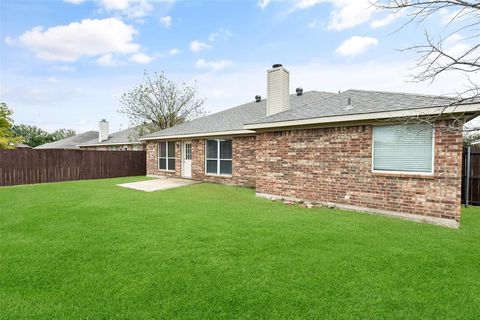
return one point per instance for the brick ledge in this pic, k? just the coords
(449, 223)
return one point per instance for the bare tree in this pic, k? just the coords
(455, 49)
(158, 103)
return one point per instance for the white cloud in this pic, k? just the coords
(89, 37)
(115, 4)
(197, 46)
(356, 45)
(214, 65)
(174, 51)
(223, 34)
(347, 14)
(263, 3)
(378, 23)
(107, 61)
(166, 21)
(131, 8)
(65, 68)
(141, 58)
(8, 41)
(74, 1)
(52, 80)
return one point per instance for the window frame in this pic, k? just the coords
(218, 159)
(167, 157)
(398, 172)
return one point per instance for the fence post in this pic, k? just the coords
(467, 178)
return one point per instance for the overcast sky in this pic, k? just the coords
(64, 64)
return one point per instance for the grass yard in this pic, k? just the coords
(92, 250)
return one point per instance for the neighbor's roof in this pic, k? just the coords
(127, 136)
(233, 119)
(364, 105)
(22, 145)
(71, 142)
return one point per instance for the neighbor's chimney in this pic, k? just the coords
(102, 130)
(278, 98)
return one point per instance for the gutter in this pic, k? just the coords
(107, 144)
(470, 108)
(198, 135)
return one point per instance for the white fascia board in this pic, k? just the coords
(369, 116)
(107, 144)
(201, 135)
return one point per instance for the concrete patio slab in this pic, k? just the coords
(158, 184)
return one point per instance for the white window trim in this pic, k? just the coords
(166, 156)
(413, 173)
(218, 159)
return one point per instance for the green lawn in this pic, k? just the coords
(92, 250)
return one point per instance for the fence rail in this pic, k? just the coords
(25, 166)
(474, 177)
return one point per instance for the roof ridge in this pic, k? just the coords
(399, 92)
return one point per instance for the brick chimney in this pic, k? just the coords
(278, 97)
(102, 130)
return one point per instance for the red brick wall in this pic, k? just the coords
(243, 162)
(334, 165)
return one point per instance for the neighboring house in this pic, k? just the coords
(22, 146)
(124, 140)
(351, 149)
(70, 142)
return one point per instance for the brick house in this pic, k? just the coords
(351, 150)
(123, 140)
(102, 140)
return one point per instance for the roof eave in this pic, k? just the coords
(368, 116)
(107, 144)
(201, 135)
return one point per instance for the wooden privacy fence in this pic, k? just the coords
(472, 183)
(24, 166)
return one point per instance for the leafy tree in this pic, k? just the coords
(469, 139)
(62, 134)
(7, 140)
(158, 103)
(34, 136)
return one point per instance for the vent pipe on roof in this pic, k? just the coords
(349, 104)
(102, 130)
(278, 98)
(258, 98)
(299, 91)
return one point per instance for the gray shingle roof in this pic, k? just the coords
(361, 102)
(126, 136)
(234, 118)
(71, 142)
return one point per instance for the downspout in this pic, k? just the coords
(467, 179)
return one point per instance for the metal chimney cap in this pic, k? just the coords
(258, 98)
(277, 65)
(299, 91)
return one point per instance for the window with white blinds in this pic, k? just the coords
(403, 148)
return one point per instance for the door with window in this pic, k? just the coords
(187, 160)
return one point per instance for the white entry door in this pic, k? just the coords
(187, 160)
